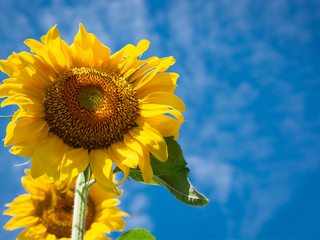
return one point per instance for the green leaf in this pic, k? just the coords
(136, 175)
(137, 234)
(173, 175)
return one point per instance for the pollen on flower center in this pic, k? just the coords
(90, 108)
(55, 212)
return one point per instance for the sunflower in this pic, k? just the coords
(79, 105)
(47, 211)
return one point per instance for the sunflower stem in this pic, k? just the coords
(80, 202)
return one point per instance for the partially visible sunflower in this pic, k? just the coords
(79, 105)
(47, 211)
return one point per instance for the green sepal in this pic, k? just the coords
(21, 164)
(6, 116)
(137, 234)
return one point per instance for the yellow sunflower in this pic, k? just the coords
(79, 105)
(47, 211)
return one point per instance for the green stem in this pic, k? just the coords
(80, 202)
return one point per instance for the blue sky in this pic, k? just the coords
(250, 79)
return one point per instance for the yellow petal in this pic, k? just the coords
(9, 89)
(27, 68)
(83, 47)
(132, 143)
(131, 53)
(162, 65)
(35, 70)
(7, 68)
(33, 140)
(160, 82)
(143, 156)
(71, 63)
(21, 206)
(43, 52)
(30, 105)
(115, 222)
(36, 187)
(51, 51)
(14, 68)
(38, 91)
(34, 232)
(147, 111)
(102, 168)
(136, 66)
(52, 174)
(162, 99)
(124, 155)
(145, 166)
(152, 140)
(51, 237)
(23, 128)
(22, 151)
(151, 63)
(101, 52)
(165, 125)
(108, 203)
(142, 46)
(38, 48)
(21, 212)
(21, 222)
(115, 59)
(74, 162)
(101, 196)
(46, 154)
(117, 158)
(100, 227)
(22, 199)
(127, 65)
(129, 50)
(93, 234)
(53, 43)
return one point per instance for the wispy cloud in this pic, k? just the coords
(113, 22)
(213, 176)
(138, 211)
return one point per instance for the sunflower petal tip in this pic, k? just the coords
(172, 60)
(82, 28)
(144, 42)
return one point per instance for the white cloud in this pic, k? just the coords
(262, 206)
(213, 175)
(15, 27)
(113, 22)
(139, 218)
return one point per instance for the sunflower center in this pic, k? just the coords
(90, 97)
(89, 108)
(55, 212)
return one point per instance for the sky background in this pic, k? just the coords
(250, 78)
